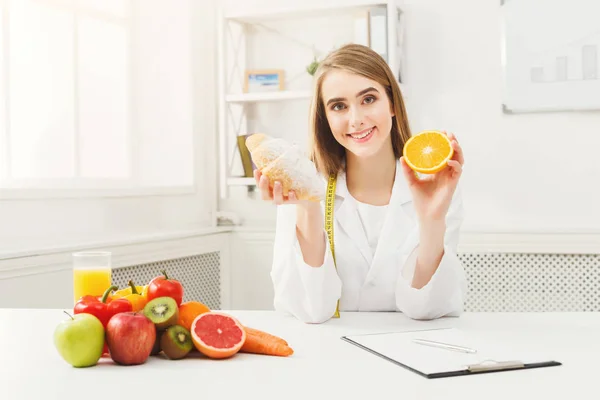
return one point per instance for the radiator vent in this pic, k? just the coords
(532, 282)
(199, 275)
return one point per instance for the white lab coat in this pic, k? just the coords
(364, 282)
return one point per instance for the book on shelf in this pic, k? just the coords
(245, 156)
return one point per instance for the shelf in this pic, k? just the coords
(249, 12)
(268, 96)
(241, 181)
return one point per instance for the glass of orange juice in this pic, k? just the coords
(92, 273)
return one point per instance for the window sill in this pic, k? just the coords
(32, 194)
(41, 249)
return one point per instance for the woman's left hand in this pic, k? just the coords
(432, 194)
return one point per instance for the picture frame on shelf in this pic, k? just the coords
(264, 80)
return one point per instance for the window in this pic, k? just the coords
(94, 95)
(118, 158)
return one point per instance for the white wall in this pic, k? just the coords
(251, 257)
(524, 173)
(35, 223)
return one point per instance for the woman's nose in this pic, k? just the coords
(356, 117)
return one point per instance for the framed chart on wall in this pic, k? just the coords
(550, 55)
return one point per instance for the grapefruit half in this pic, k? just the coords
(217, 335)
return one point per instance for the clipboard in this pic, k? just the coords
(431, 362)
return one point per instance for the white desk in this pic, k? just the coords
(323, 366)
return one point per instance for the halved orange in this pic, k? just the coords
(428, 152)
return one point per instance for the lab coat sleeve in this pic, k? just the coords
(445, 293)
(309, 293)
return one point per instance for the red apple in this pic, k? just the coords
(130, 337)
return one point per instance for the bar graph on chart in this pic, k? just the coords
(551, 55)
(581, 65)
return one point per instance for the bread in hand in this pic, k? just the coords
(281, 161)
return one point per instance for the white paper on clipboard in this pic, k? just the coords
(400, 348)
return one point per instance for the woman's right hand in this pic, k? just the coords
(274, 194)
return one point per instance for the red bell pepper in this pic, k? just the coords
(163, 286)
(100, 308)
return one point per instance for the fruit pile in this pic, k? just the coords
(134, 323)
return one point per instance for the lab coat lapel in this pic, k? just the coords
(398, 225)
(349, 220)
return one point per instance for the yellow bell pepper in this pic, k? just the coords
(119, 294)
(137, 295)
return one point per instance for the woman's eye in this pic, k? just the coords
(337, 107)
(369, 99)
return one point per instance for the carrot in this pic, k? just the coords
(265, 334)
(259, 342)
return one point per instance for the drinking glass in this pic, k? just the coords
(92, 273)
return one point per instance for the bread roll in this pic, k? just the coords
(284, 162)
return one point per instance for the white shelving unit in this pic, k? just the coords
(240, 181)
(240, 26)
(272, 96)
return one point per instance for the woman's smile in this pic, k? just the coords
(362, 136)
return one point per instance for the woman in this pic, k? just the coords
(395, 235)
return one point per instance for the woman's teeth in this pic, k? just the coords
(364, 135)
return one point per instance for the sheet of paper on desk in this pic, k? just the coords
(399, 346)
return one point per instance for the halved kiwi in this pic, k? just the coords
(176, 342)
(163, 311)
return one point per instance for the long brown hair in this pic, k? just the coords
(327, 154)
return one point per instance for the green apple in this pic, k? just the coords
(80, 340)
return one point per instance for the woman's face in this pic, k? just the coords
(358, 111)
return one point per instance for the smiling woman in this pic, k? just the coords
(396, 235)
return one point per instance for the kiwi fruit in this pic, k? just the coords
(176, 342)
(163, 311)
(156, 347)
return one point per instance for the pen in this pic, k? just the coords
(444, 346)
